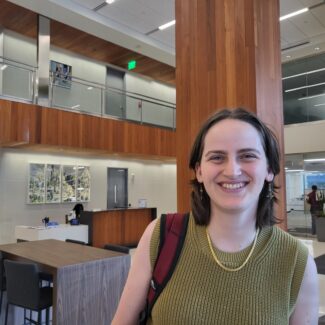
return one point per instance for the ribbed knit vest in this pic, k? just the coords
(264, 292)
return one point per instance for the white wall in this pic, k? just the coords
(152, 180)
(305, 137)
(20, 48)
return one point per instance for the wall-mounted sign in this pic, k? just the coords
(132, 65)
(61, 74)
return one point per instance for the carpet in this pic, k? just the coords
(320, 264)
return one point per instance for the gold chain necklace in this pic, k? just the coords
(227, 268)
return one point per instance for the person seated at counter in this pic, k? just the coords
(78, 208)
(74, 216)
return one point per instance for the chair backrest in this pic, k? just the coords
(117, 248)
(75, 241)
(23, 288)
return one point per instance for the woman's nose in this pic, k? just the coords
(232, 168)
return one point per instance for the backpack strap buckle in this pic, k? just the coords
(153, 284)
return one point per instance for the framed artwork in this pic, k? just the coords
(61, 74)
(36, 184)
(69, 184)
(53, 183)
(83, 184)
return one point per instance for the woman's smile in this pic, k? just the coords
(233, 186)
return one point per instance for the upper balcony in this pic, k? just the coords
(83, 116)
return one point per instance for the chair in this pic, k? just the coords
(2, 281)
(75, 241)
(24, 290)
(117, 248)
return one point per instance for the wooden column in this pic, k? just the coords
(227, 55)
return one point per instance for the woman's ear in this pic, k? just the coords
(270, 176)
(198, 173)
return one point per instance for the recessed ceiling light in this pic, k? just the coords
(288, 56)
(304, 73)
(314, 160)
(171, 23)
(295, 13)
(309, 97)
(110, 1)
(316, 105)
(4, 67)
(90, 88)
(303, 87)
(317, 48)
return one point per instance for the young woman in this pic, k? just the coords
(235, 267)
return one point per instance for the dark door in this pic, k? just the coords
(115, 98)
(117, 193)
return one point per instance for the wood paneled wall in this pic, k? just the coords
(32, 125)
(227, 55)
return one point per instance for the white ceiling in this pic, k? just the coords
(127, 23)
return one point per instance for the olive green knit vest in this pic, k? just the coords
(264, 292)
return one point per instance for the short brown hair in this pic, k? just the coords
(200, 202)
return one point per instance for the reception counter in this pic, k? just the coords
(60, 232)
(117, 226)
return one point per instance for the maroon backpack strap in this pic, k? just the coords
(173, 228)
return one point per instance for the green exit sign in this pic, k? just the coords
(132, 65)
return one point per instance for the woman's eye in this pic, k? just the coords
(248, 156)
(216, 158)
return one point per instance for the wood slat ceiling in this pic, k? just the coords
(23, 21)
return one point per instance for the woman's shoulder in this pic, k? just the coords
(285, 241)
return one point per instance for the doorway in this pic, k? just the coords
(117, 188)
(115, 98)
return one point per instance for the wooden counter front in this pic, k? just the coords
(118, 226)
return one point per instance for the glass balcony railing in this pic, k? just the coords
(19, 82)
(75, 95)
(93, 98)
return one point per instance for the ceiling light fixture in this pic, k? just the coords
(295, 13)
(303, 87)
(317, 48)
(294, 170)
(309, 97)
(314, 160)
(303, 73)
(171, 23)
(75, 106)
(316, 105)
(3, 67)
(110, 1)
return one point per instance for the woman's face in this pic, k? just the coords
(233, 167)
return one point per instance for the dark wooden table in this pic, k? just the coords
(87, 281)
